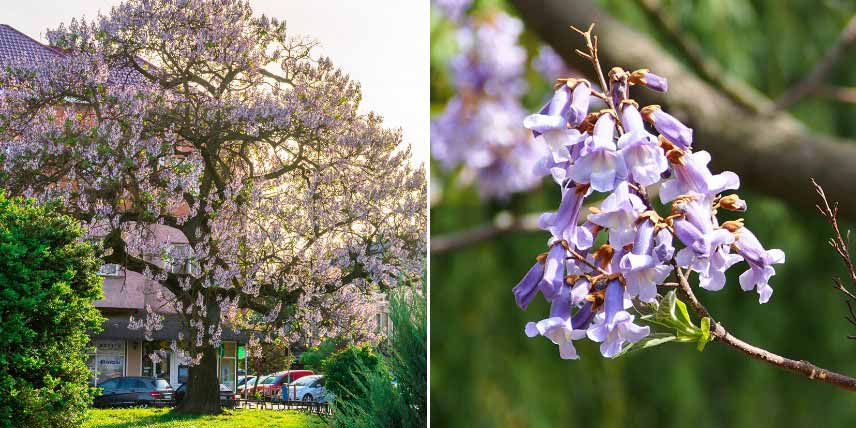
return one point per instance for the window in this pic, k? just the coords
(110, 269)
(110, 385)
(161, 384)
(132, 383)
(109, 359)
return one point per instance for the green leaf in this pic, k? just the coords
(705, 334)
(650, 341)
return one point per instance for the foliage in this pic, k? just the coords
(272, 357)
(382, 403)
(48, 281)
(340, 368)
(313, 358)
(164, 418)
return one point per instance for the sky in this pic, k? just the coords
(383, 44)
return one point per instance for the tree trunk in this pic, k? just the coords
(203, 389)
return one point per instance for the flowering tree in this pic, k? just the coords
(609, 292)
(198, 117)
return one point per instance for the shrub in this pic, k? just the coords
(341, 368)
(314, 358)
(377, 402)
(48, 280)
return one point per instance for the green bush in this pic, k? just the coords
(48, 281)
(314, 358)
(378, 402)
(342, 365)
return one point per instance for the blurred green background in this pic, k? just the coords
(485, 372)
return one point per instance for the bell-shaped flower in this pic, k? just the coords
(551, 125)
(528, 287)
(669, 127)
(618, 213)
(559, 327)
(650, 80)
(614, 327)
(639, 150)
(600, 165)
(663, 248)
(554, 271)
(760, 260)
(641, 269)
(579, 101)
(691, 175)
(562, 224)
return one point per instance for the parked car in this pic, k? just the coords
(245, 380)
(307, 388)
(134, 391)
(270, 387)
(227, 396)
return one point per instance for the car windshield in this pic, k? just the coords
(304, 381)
(161, 384)
(268, 380)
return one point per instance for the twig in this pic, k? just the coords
(803, 368)
(842, 94)
(707, 69)
(811, 82)
(841, 247)
(503, 224)
(591, 45)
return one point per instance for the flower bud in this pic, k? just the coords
(650, 80)
(732, 203)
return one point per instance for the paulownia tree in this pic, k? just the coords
(195, 116)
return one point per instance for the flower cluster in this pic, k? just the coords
(595, 290)
(478, 127)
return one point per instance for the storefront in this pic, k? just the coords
(119, 351)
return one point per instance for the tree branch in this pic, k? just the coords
(811, 82)
(502, 224)
(803, 368)
(708, 69)
(774, 153)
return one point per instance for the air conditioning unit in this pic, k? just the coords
(110, 269)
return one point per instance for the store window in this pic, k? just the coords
(108, 361)
(159, 366)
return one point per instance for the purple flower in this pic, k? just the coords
(527, 288)
(454, 9)
(559, 326)
(669, 127)
(550, 125)
(642, 270)
(554, 272)
(549, 64)
(652, 81)
(600, 165)
(618, 213)
(579, 101)
(563, 223)
(614, 327)
(691, 175)
(760, 260)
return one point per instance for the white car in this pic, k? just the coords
(307, 388)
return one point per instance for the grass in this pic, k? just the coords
(164, 418)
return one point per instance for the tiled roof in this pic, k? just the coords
(15, 45)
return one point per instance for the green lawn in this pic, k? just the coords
(163, 418)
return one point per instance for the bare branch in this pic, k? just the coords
(810, 83)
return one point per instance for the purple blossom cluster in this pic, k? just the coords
(596, 291)
(478, 127)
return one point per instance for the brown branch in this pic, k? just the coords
(837, 93)
(501, 225)
(707, 69)
(845, 40)
(774, 153)
(803, 368)
(841, 247)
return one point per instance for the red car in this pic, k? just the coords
(271, 386)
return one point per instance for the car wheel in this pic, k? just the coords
(308, 397)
